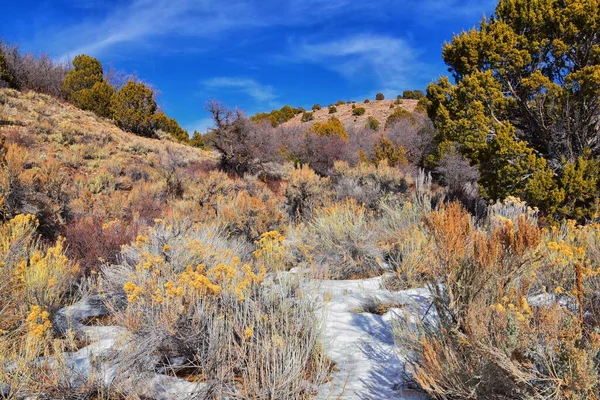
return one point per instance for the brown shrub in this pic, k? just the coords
(489, 341)
(93, 241)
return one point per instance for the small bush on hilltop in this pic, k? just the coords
(372, 124)
(307, 116)
(413, 94)
(367, 101)
(278, 117)
(86, 73)
(316, 107)
(340, 103)
(133, 108)
(96, 99)
(359, 111)
(379, 96)
(332, 109)
(333, 127)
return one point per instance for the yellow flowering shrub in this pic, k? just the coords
(271, 250)
(190, 292)
(32, 275)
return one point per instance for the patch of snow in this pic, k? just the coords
(368, 364)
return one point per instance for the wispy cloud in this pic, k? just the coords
(390, 62)
(250, 87)
(141, 20)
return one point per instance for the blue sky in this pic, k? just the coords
(254, 54)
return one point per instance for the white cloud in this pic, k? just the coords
(390, 62)
(143, 21)
(260, 93)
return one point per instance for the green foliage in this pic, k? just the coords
(372, 123)
(379, 96)
(398, 114)
(358, 111)
(340, 103)
(86, 73)
(5, 74)
(170, 126)
(511, 168)
(332, 109)
(307, 116)
(96, 99)
(333, 127)
(316, 107)
(277, 117)
(580, 183)
(133, 108)
(532, 69)
(421, 107)
(385, 149)
(413, 94)
(299, 110)
(367, 101)
(198, 141)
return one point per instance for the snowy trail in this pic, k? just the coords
(368, 365)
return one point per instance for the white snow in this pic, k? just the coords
(368, 365)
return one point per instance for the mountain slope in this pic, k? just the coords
(378, 109)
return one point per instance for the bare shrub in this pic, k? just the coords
(93, 241)
(40, 74)
(461, 179)
(320, 152)
(244, 145)
(415, 135)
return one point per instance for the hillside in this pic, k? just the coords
(47, 125)
(71, 168)
(378, 109)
